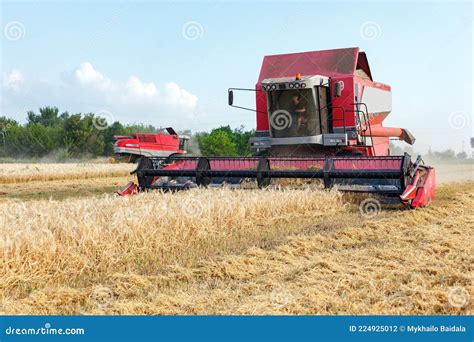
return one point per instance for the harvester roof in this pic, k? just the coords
(331, 63)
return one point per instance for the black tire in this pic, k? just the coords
(171, 156)
(144, 181)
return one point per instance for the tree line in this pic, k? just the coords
(63, 136)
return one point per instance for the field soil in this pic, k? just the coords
(69, 246)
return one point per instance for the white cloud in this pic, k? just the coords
(179, 96)
(13, 80)
(87, 76)
(134, 92)
(86, 89)
(135, 89)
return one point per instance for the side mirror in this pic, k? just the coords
(230, 99)
(338, 86)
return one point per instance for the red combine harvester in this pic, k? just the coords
(165, 144)
(319, 115)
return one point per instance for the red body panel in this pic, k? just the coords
(163, 144)
(426, 190)
(421, 191)
(343, 115)
(130, 189)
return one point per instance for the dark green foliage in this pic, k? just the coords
(224, 141)
(61, 135)
(48, 117)
(216, 143)
(64, 135)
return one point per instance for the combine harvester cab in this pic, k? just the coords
(319, 115)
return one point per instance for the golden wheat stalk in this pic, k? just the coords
(78, 241)
(27, 172)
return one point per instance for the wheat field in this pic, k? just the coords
(27, 172)
(223, 251)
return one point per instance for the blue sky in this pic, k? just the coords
(139, 61)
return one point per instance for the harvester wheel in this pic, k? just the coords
(263, 165)
(144, 182)
(170, 158)
(202, 165)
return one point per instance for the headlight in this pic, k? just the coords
(303, 85)
(274, 87)
(264, 87)
(297, 85)
(291, 85)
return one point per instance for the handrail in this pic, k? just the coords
(360, 123)
(367, 119)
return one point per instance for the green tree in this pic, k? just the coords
(7, 123)
(48, 116)
(217, 143)
(237, 141)
(82, 137)
(114, 129)
(33, 140)
(241, 139)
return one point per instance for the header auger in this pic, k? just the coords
(319, 116)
